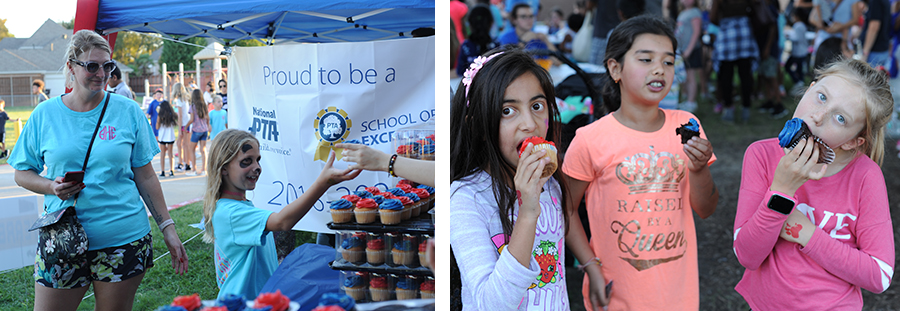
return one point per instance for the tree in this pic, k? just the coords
(176, 52)
(4, 33)
(142, 64)
(70, 25)
(132, 45)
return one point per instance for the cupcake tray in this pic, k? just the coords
(383, 268)
(423, 224)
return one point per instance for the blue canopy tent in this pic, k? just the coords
(271, 22)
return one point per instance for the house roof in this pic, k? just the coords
(42, 52)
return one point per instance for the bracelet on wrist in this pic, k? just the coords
(164, 224)
(391, 165)
(594, 260)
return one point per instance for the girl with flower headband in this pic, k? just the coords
(509, 223)
(640, 182)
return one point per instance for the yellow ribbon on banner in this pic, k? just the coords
(322, 151)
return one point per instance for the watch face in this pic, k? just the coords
(781, 204)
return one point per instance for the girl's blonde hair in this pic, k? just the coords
(876, 95)
(222, 150)
(179, 93)
(82, 42)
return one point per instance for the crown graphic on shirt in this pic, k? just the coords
(651, 172)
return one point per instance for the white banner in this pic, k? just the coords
(296, 97)
(17, 245)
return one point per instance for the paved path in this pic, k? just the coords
(178, 190)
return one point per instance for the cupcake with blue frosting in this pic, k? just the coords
(355, 287)
(391, 211)
(341, 211)
(353, 249)
(406, 288)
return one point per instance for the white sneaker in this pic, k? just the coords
(191, 174)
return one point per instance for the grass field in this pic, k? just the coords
(160, 285)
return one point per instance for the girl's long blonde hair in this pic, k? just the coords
(222, 150)
(875, 88)
(179, 93)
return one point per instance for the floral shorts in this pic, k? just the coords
(112, 264)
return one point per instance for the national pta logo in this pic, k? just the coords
(332, 127)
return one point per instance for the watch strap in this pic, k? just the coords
(780, 202)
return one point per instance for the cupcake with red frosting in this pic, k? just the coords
(375, 250)
(276, 300)
(426, 289)
(366, 211)
(423, 252)
(407, 207)
(373, 190)
(352, 198)
(378, 288)
(425, 199)
(538, 145)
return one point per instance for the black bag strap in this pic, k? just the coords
(91, 145)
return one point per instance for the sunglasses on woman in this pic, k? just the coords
(92, 66)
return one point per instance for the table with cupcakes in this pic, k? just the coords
(382, 236)
(382, 233)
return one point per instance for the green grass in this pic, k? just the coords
(160, 285)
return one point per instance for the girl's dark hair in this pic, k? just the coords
(620, 42)
(199, 104)
(475, 126)
(480, 21)
(166, 115)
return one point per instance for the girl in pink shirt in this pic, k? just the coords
(811, 235)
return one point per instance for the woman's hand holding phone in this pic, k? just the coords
(66, 187)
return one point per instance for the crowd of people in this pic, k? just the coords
(802, 231)
(716, 39)
(187, 121)
(106, 202)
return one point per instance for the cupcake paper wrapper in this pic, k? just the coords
(826, 154)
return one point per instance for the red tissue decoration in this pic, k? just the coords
(276, 300)
(191, 302)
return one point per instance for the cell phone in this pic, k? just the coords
(608, 288)
(76, 176)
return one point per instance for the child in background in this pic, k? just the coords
(166, 125)
(245, 251)
(640, 182)
(509, 226)
(799, 51)
(811, 235)
(3, 118)
(218, 118)
(199, 126)
(180, 101)
(688, 32)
